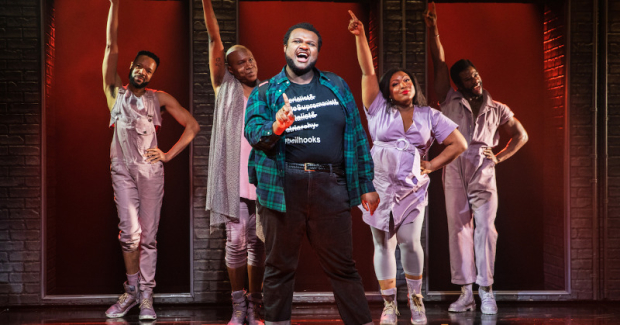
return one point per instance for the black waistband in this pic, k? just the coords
(312, 167)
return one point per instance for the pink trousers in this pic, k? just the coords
(138, 193)
(471, 199)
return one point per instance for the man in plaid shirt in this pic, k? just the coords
(310, 163)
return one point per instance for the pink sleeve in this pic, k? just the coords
(505, 114)
(442, 126)
(376, 105)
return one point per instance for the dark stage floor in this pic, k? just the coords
(307, 314)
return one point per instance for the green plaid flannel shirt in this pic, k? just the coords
(266, 166)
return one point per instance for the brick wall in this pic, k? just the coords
(612, 274)
(554, 136)
(581, 132)
(210, 277)
(20, 156)
(415, 37)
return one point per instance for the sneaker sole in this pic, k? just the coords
(468, 308)
(486, 312)
(388, 323)
(147, 317)
(119, 315)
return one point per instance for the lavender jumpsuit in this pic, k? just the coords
(397, 154)
(138, 185)
(470, 190)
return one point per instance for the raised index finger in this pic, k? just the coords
(285, 99)
(352, 15)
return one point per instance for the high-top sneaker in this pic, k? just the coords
(390, 307)
(146, 306)
(465, 302)
(416, 305)
(255, 309)
(239, 308)
(125, 302)
(488, 304)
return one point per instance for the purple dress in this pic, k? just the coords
(397, 155)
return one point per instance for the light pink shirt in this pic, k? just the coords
(481, 131)
(246, 190)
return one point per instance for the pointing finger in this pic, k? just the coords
(352, 15)
(285, 99)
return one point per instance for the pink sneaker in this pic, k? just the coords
(146, 306)
(255, 309)
(240, 308)
(125, 302)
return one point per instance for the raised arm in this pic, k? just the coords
(370, 85)
(217, 59)
(184, 118)
(441, 73)
(518, 137)
(111, 79)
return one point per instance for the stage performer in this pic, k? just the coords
(311, 163)
(402, 128)
(230, 196)
(469, 181)
(137, 165)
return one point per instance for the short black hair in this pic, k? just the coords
(150, 55)
(384, 85)
(456, 69)
(306, 26)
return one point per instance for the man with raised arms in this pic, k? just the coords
(469, 181)
(137, 165)
(230, 196)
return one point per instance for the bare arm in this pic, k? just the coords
(217, 65)
(370, 85)
(518, 137)
(441, 73)
(111, 79)
(185, 119)
(454, 144)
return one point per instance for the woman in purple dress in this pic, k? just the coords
(402, 128)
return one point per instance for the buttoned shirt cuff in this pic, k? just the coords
(268, 139)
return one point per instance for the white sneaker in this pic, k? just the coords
(465, 302)
(418, 312)
(390, 313)
(488, 304)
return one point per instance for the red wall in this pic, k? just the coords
(88, 255)
(505, 42)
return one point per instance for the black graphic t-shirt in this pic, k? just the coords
(317, 135)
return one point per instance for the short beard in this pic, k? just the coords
(297, 71)
(136, 85)
(470, 92)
